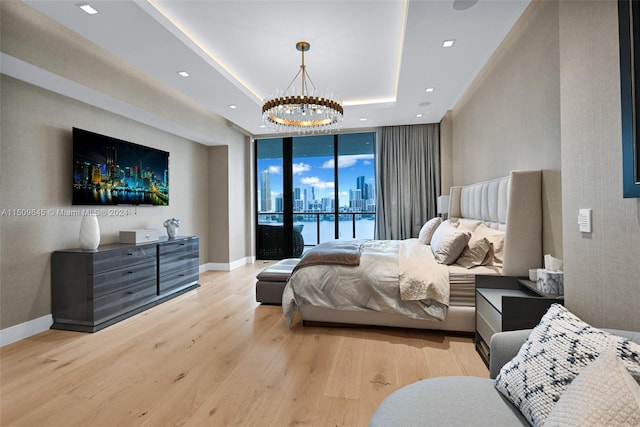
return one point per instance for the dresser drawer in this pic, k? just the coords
(483, 327)
(491, 317)
(123, 300)
(178, 247)
(178, 278)
(178, 261)
(122, 278)
(120, 258)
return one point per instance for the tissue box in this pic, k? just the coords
(550, 282)
(138, 236)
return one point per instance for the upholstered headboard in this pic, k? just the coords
(512, 204)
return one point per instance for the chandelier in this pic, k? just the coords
(305, 111)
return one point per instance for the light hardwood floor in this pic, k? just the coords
(214, 357)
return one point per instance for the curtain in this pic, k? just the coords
(408, 179)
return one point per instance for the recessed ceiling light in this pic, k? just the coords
(463, 4)
(448, 43)
(232, 106)
(363, 119)
(183, 73)
(429, 90)
(87, 8)
(419, 115)
(262, 126)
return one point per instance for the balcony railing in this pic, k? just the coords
(319, 227)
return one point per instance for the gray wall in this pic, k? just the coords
(35, 161)
(602, 268)
(510, 117)
(550, 99)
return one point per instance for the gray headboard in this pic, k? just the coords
(512, 204)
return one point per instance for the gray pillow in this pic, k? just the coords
(448, 242)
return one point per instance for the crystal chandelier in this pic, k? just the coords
(305, 111)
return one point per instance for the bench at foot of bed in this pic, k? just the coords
(272, 280)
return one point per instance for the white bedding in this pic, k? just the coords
(373, 286)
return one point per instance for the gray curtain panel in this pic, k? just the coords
(408, 175)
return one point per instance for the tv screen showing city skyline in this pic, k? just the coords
(110, 171)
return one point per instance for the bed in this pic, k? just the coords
(373, 292)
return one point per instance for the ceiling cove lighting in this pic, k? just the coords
(87, 8)
(448, 43)
(306, 110)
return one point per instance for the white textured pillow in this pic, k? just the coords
(496, 238)
(555, 352)
(427, 230)
(604, 393)
(477, 252)
(448, 243)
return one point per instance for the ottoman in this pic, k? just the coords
(272, 280)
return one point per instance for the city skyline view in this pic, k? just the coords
(314, 180)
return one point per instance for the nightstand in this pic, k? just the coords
(505, 303)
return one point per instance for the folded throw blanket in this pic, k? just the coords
(341, 252)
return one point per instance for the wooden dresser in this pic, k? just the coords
(91, 290)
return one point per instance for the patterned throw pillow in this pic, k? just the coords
(603, 394)
(552, 356)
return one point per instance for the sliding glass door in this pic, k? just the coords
(314, 189)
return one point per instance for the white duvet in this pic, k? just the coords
(375, 284)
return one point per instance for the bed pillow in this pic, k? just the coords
(604, 393)
(448, 242)
(468, 224)
(496, 238)
(553, 355)
(427, 230)
(477, 252)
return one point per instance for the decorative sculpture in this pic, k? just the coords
(172, 225)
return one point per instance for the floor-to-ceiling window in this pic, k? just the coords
(321, 187)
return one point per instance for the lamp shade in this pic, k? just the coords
(443, 204)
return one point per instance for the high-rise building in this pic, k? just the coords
(111, 162)
(265, 191)
(279, 204)
(368, 192)
(362, 186)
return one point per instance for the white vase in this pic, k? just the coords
(89, 232)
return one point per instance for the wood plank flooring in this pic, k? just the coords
(214, 357)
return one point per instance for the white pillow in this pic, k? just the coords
(604, 393)
(448, 242)
(468, 224)
(555, 352)
(427, 230)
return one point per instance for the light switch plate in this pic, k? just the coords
(584, 220)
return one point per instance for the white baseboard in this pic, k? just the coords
(25, 330)
(41, 324)
(219, 266)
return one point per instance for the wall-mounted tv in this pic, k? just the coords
(110, 171)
